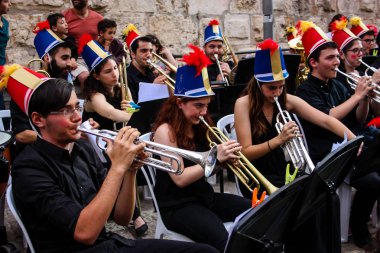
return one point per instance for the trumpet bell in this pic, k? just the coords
(210, 161)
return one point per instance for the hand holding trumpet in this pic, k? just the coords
(289, 131)
(364, 87)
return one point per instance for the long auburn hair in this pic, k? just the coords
(171, 114)
(256, 103)
(93, 86)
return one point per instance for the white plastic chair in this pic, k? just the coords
(226, 125)
(16, 215)
(161, 230)
(4, 114)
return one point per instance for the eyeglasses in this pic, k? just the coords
(68, 112)
(369, 40)
(357, 50)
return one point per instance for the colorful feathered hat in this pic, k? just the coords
(269, 62)
(312, 36)
(21, 83)
(340, 34)
(92, 52)
(357, 26)
(45, 39)
(192, 79)
(213, 32)
(290, 33)
(130, 34)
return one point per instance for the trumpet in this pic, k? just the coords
(368, 68)
(207, 159)
(169, 81)
(353, 80)
(247, 174)
(224, 79)
(295, 147)
(40, 70)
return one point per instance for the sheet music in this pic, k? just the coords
(152, 91)
(92, 139)
(337, 145)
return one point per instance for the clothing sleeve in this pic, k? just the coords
(313, 98)
(117, 50)
(20, 122)
(43, 199)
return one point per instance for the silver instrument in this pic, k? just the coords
(295, 147)
(206, 159)
(353, 79)
(224, 79)
(367, 68)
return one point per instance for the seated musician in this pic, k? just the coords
(351, 53)
(256, 110)
(366, 35)
(102, 92)
(56, 55)
(213, 45)
(60, 187)
(322, 91)
(188, 204)
(104, 102)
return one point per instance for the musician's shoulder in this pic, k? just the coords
(242, 101)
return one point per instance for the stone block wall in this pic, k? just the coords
(179, 22)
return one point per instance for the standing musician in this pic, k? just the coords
(56, 55)
(188, 204)
(213, 44)
(104, 102)
(322, 91)
(64, 194)
(256, 110)
(366, 35)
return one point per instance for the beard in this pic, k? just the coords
(57, 72)
(82, 4)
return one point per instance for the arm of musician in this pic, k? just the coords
(244, 136)
(362, 110)
(375, 107)
(164, 135)
(376, 77)
(169, 56)
(93, 217)
(106, 110)
(309, 113)
(361, 91)
(26, 136)
(160, 79)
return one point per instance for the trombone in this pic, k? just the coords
(353, 79)
(169, 81)
(224, 79)
(247, 174)
(40, 70)
(295, 147)
(157, 57)
(206, 159)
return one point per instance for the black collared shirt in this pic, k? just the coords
(135, 77)
(323, 96)
(51, 187)
(20, 122)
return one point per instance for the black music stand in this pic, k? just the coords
(292, 62)
(269, 227)
(244, 71)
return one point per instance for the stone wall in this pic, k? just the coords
(179, 22)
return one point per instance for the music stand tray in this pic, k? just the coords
(267, 227)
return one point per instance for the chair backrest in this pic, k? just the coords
(226, 125)
(5, 114)
(16, 215)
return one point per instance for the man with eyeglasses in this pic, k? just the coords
(366, 35)
(61, 189)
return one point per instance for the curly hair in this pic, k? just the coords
(171, 114)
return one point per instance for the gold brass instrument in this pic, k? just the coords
(169, 81)
(247, 174)
(41, 67)
(157, 57)
(206, 159)
(124, 80)
(353, 80)
(224, 79)
(294, 148)
(227, 55)
(297, 47)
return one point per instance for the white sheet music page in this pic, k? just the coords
(337, 145)
(152, 91)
